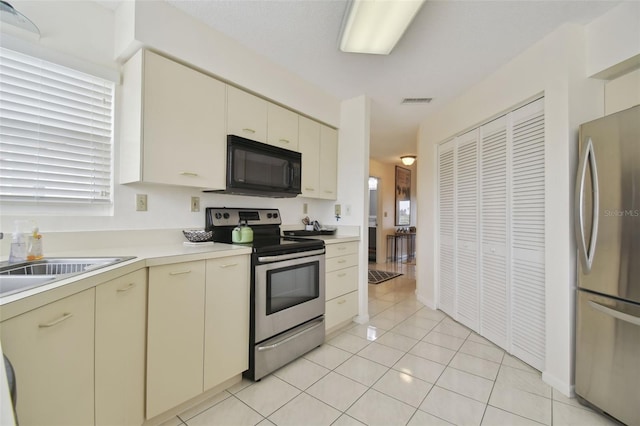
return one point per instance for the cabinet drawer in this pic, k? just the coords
(341, 309)
(334, 250)
(341, 282)
(336, 263)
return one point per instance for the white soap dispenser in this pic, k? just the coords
(18, 245)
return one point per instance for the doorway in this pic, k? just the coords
(374, 202)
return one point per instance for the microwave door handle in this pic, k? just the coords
(291, 174)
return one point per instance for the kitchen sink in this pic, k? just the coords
(17, 277)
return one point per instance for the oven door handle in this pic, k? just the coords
(281, 257)
(315, 324)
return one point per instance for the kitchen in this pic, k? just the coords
(350, 116)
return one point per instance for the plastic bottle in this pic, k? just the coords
(35, 245)
(18, 246)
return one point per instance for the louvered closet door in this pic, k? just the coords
(494, 313)
(446, 211)
(467, 279)
(527, 235)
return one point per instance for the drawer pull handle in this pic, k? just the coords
(340, 302)
(189, 174)
(306, 188)
(342, 261)
(180, 272)
(328, 192)
(228, 265)
(342, 275)
(284, 141)
(64, 316)
(127, 288)
(342, 248)
(248, 130)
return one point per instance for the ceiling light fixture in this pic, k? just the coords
(408, 160)
(375, 26)
(9, 15)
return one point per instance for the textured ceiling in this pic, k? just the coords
(450, 46)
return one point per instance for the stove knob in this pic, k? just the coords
(218, 215)
(275, 215)
(226, 215)
(269, 215)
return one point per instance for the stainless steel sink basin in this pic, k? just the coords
(18, 277)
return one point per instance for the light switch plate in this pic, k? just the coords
(195, 204)
(141, 202)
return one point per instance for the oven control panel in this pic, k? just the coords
(224, 216)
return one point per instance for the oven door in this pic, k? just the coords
(289, 290)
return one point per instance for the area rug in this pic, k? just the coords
(377, 277)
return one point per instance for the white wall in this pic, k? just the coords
(554, 67)
(85, 35)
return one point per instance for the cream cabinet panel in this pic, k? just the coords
(346, 261)
(173, 124)
(175, 335)
(282, 127)
(246, 115)
(121, 320)
(334, 250)
(340, 282)
(341, 309)
(309, 146)
(226, 339)
(52, 352)
(328, 163)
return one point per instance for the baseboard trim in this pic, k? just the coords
(564, 388)
(425, 301)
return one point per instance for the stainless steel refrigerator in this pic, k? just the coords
(607, 222)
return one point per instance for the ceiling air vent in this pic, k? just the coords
(416, 100)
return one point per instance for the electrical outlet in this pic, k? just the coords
(338, 210)
(305, 208)
(141, 202)
(348, 209)
(195, 204)
(385, 214)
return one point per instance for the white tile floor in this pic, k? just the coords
(409, 366)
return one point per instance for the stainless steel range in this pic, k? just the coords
(287, 288)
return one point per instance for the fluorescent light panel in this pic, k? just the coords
(376, 26)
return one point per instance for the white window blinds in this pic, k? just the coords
(56, 132)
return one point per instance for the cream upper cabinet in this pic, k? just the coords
(172, 124)
(121, 324)
(282, 127)
(52, 352)
(226, 339)
(246, 115)
(309, 146)
(328, 163)
(175, 333)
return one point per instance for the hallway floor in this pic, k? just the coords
(409, 365)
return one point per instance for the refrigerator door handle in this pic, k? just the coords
(587, 254)
(622, 316)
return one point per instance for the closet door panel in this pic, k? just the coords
(494, 206)
(467, 289)
(527, 235)
(446, 212)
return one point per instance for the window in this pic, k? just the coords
(56, 132)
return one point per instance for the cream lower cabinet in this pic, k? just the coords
(175, 333)
(52, 352)
(341, 292)
(120, 336)
(226, 338)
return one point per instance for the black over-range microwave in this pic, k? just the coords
(255, 168)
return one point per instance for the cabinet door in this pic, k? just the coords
(121, 319)
(175, 333)
(246, 115)
(51, 349)
(282, 127)
(226, 345)
(184, 125)
(446, 228)
(309, 144)
(328, 163)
